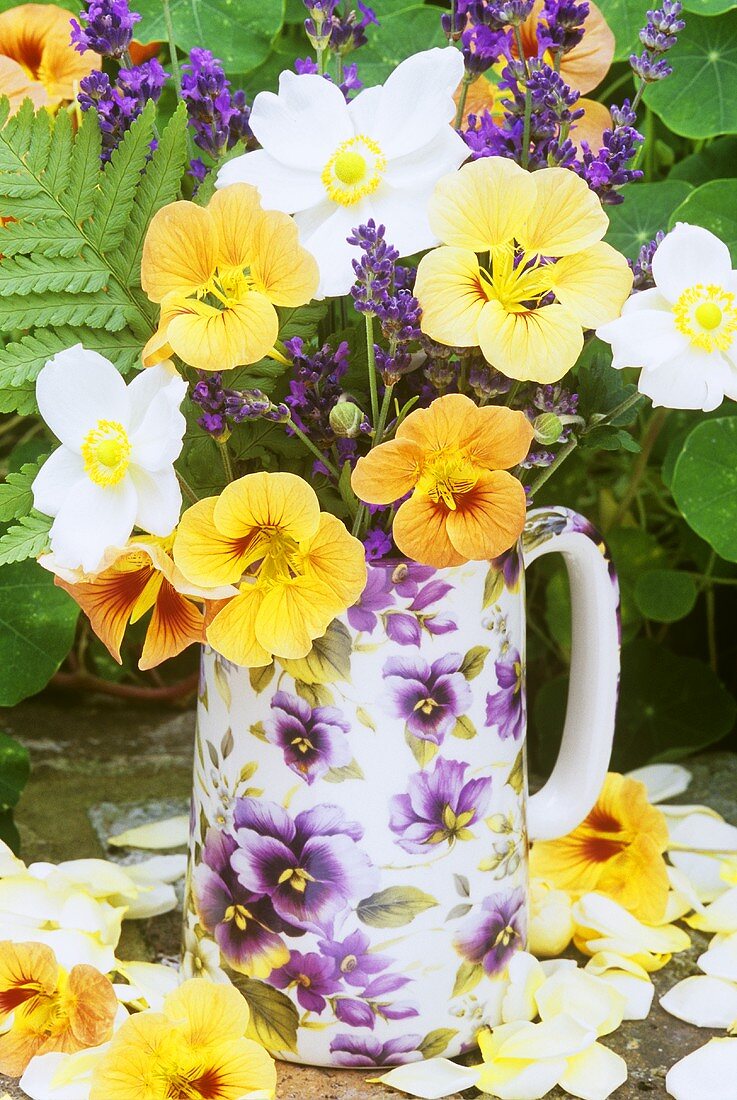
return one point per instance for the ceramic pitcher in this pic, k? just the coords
(360, 817)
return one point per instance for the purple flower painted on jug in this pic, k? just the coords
(405, 627)
(439, 806)
(429, 697)
(367, 1050)
(244, 925)
(509, 564)
(354, 1013)
(492, 934)
(310, 866)
(505, 708)
(376, 597)
(312, 975)
(356, 964)
(312, 739)
(408, 576)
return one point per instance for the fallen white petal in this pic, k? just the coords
(152, 981)
(720, 916)
(720, 961)
(703, 872)
(152, 901)
(158, 869)
(525, 976)
(171, 833)
(708, 1073)
(430, 1080)
(594, 1074)
(662, 780)
(703, 1001)
(703, 833)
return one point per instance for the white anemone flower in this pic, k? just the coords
(334, 165)
(683, 331)
(114, 469)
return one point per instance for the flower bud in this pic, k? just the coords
(346, 419)
(547, 428)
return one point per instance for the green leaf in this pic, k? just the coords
(241, 43)
(468, 977)
(709, 7)
(717, 161)
(317, 695)
(493, 586)
(394, 907)
(97, 310)
(665, 595)
(464, 729)
(37, 274)
(260, 678)
(424, 751)
(15, 768)
(26, 539)
(645, 210)
(705, 484)
(274, 1019)
(401, 32)
(697, 101)
(84, 173)
(328, 660)
(626, 18)
(436, 1042)
(601, 388)
(37, 622)
(348, 771)
(473, 663)
(16, 498)
(119, 182)
(48, 237)
(713, 205)
(516, 777)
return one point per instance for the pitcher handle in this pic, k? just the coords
(585, 750)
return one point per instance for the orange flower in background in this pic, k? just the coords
(51, 1010)
(17, 86)
(219, 272)
(136, 578)
(453, 457)
(38, 38)
(617, 850)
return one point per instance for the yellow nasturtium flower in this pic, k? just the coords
(194, 1048)
(297, 567)
(522, 270)
(219, 272)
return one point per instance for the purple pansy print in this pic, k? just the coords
(375, 597)
(367, 1050)
(312, 739)
(310, 866)
(356, 964)
(405, 627)
(244, 925)
(313, 976)
(505, 708)
(492, 933)
(429, 697)
(509, 564)
(439, 806)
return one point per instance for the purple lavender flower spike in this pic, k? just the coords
(493, 932)
(561, 25)
(119, 104)
(505, 708)
(367, 1050)
(312, 739)
(108, 30)
(608, 169)
(429, 697)
(642, 267)
(244, 925)
(312, 975)
(658, 36)
(222, 407)
(375, 598)
(356, 964)
(311, 867)
(439, 807)
(218, 117)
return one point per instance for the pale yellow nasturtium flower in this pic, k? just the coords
(522, 269)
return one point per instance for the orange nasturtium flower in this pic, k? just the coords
(297, 566)
(218, 273)
(52, 1010)
(617, 850)
(136, 578)
(194, 1049)
(522, 270)
(38, 38)
(454, 458)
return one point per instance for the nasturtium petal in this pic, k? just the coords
(565, 217)
(450, 291)
(203, 553)
(542, 344)
(179, 252)
(483, 205)
(274, 500)
(233, 630)
(383, 476)
(593, 284)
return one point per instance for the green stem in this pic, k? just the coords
(322, 58)
(358, 521)
(560, 458)
(607, 94)
(607, 418)
(314, 450)
(187, 488)
(383, 414)
(373, 388)
(169, 24)
(528, 100)
(649, 440)
(711, 631)
(468, 79)
(225, 456)
(708, 580)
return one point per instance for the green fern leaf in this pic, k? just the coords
(98, 310)
(84, 174)
(26, 539)
(120, 181)
(16, 497)
(37, 274)
(159, 186)
(46, 237)
(38, 151)
(56, 172)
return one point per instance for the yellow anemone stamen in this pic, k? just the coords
(106, 452)
(355, 170)
(708, 316)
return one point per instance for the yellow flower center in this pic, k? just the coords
(518, 280)
(239, 915)
(303, 744)
(447, 474)
(297, 878)
(708, 316)
(106, 452)
(355, 170)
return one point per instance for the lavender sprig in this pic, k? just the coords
(658, 36)
(119, 104)
(218, 117)
(222, 407)
(108, 30)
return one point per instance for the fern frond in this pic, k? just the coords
(78, 198)
(98, 310)
(37, 274)
(16, 497)
(46, 237)
(120, 180)
(26, 539)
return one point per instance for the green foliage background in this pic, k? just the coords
(662, 487)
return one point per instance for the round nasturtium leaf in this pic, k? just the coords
(698, 99)
(646, 210)
(713, 205)
(709, 7)
(665, 595)
(717, 161)
(401, 31)
(626, 18)
(705, 484)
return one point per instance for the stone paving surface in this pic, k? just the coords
(101, 766)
